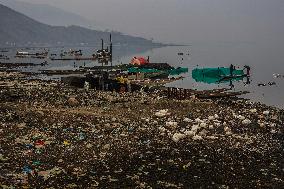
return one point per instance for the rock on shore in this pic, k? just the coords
(134, 140)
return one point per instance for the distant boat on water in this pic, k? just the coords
(24, 54)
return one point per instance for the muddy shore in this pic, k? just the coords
(55, 136)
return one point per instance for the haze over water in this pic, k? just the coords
(184, 21)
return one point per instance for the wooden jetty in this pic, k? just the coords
(75, 58)
(13, 65)
(183, 94)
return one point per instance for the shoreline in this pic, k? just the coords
(53, 135)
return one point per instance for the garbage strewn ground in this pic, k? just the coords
(54, 136)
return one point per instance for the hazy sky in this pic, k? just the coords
(185, 21)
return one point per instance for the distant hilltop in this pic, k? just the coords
(16, 29)
(50, 15)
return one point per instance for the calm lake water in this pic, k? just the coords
(264, 60)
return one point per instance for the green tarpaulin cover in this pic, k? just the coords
(216, 75)
(175, 71)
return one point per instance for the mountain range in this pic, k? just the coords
(19, 29)
(50, 15)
